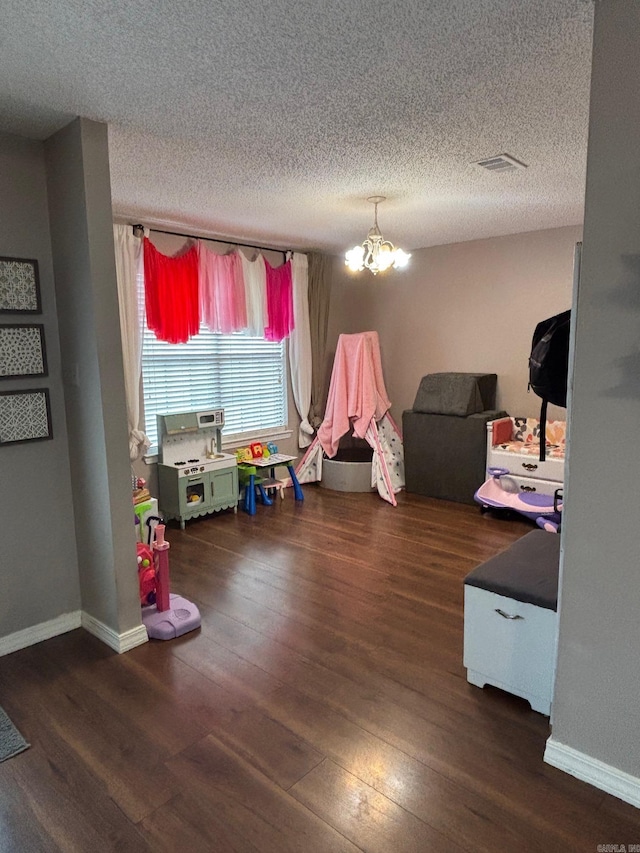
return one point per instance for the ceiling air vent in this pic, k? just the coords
(500, 163)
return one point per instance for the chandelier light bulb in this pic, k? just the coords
(401, 259)
(375, 254)
(354, 259)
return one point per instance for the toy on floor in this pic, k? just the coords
(146, 574)
(545, 510)
(165, 616)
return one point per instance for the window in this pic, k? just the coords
(243, 375)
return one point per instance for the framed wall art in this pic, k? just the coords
(22, 351)
(19, 286)
(25, 416)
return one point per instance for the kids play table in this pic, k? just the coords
(270, 463)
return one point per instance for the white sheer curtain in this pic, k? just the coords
(129, 265)
(300, 347)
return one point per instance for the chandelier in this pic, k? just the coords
(376, 253)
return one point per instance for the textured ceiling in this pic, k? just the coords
(273, 121)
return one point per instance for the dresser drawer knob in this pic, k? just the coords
(527, 488)
(507, 616)
(529, 466)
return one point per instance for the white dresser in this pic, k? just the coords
(513, 443)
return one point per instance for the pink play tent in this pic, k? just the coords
(358, 401)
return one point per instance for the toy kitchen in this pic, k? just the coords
(195, 477)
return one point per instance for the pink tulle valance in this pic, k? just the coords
(227, 293)
(222, 292)
(279, 302)
(171, 294)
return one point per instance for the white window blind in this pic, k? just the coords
(243, 375)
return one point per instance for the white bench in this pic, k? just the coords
(510, 619)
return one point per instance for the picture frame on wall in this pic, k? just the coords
(25, 416)
(22, 350)
(19, 286)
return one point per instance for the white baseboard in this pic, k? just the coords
(595, 772)
(118, 642)
(69, 622)
(38, 633)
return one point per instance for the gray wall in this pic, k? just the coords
(83, 253)
(468, 307)
(38, 561)
(596, 707)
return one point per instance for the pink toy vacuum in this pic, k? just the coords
(545, 510)
(165, 616)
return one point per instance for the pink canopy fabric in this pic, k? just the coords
(357, 392)
(358, 400)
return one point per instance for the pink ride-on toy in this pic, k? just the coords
(164, 615)
(545, 510)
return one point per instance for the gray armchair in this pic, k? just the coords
(445, 434)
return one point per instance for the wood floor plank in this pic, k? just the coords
(283, 660)
(469, 819)
(325, 581)
(225, 668)
(153, 688)
(483, 764)
(271, 608)
(268, 746)
(368, 818)
(323, 705)
(70, 807)
(366, 749)
(227, 790)
(20, 829)
(410, 683)
(105, 741)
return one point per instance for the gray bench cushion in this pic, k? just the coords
(527, 571)
(460, 394)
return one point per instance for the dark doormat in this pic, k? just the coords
(11, 741)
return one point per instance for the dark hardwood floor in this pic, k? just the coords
(322, 707)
